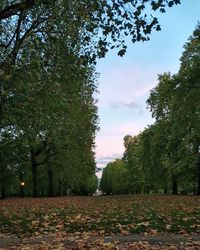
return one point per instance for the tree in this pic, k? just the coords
(132, 158)
(114, 178)
(34, 111)
(175, 102)
(161, 103)
(188, 90)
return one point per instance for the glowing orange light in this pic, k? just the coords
(22, 183)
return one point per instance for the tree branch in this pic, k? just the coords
(13, 9)
(19, 41)
(46, 159)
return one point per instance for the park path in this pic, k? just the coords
(132, 241)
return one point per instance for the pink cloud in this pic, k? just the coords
(109, 141)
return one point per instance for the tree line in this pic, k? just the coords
(48, 87)
(165, 157)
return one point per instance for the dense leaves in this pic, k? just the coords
(102, 19)
(114, 179)
(44, 92)
(99, 216)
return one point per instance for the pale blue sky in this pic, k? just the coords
(124, 83)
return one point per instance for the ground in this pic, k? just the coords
(107, 222)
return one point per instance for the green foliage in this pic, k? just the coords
(92, 184)
(103, 24)
(114, 178)
(50, 108)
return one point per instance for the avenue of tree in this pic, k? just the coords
(165, 157)
(48, 113)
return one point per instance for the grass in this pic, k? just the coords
(106, 214)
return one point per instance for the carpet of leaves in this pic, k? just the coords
(78, 219)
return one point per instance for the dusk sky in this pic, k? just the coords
(124, 83)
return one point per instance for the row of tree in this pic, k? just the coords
(48, 114)
(48, 110)
(165, 157)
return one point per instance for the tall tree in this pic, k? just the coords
(188, 90)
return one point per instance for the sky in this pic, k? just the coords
(125, 82)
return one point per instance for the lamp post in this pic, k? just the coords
(22, 189)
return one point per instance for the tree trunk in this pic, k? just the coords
(197, 152)
(21, 179)
(3, 192)
(22, 191)
(51, 190)
(60, 188)
(65, 188)
(34, 174)
(198, 177)
(165, 186)
(174, 185)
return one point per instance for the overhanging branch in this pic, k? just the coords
(13, 9)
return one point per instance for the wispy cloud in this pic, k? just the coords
(123, 104)
(122, 108)
(106, 159)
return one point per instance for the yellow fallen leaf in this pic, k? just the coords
(35, 222)
(99, 242)
(46, 217)
(168, 226)
(108, 245)
(144, 223)
(102, 231)
(172, 247)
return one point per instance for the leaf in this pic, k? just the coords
(35, 222)
(153, 232)
(168, 226)
(52, 228)
(171, 3)
(158, 28)
(124, 232)
(121, 52)
(144, 223)
(46, 217)
(108, 245)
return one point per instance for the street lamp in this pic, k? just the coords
(22, 189)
